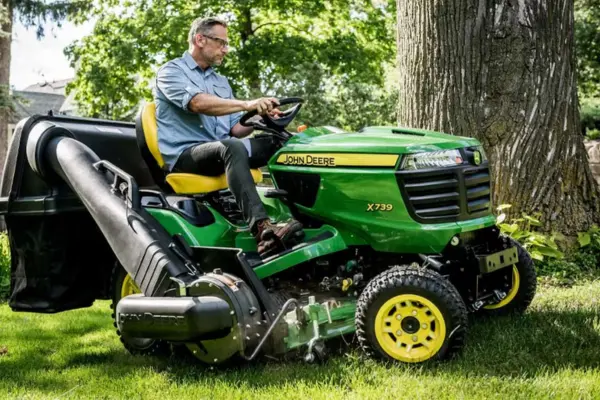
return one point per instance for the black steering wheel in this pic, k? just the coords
(274, 125)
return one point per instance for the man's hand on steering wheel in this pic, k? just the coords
(273, 120)
(263, 106)
(275, 113)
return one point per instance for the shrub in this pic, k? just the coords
(593, 134)
(562, 267)
(590, 116)
(539, 245)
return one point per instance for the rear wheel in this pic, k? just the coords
(122, 285)
(521, 288)
(412, 315)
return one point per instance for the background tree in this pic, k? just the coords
(323, 51)
(504, 72)
(587, 34)
(32, 13)
(587, 39)
(3, 34)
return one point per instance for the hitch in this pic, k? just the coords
(431, 262)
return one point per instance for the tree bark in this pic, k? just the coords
(5, 43)
(503, 71)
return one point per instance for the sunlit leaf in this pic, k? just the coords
(536, 255)
(583, 238)
(506, 228)
(549, 252)
(532, 220)
(500, 218)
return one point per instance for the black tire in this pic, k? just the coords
(419, 283)
(136, 346)
(527, 286)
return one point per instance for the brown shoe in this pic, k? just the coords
(267, 246)
(282, 231)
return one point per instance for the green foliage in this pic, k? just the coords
(580, 262)
(557, 261)
(590, 239)
(590, 117)
(525, 230)
(334, 53)
(3, 20)
(4, 266)
(587, 47)
(593, 134)
(587, 40)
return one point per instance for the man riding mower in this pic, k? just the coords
(199, 129)
(398, 244)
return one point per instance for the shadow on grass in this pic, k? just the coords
(538, 342)
(33, 351)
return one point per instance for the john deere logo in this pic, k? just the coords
(477, 157)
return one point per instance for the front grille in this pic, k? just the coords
(446, 194)
(301, 187)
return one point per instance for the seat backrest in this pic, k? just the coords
(146, 130)
(150, 130)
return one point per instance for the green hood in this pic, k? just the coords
(377, 139)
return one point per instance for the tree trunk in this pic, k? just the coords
(503, 71)
(5, 42)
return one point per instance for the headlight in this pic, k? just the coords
(482, 152)
(432, 159)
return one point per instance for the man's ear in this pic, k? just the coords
(199, 38)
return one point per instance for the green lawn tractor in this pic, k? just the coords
(399, 242)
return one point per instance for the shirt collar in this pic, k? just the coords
(192, 64)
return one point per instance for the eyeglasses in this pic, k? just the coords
(222, 42)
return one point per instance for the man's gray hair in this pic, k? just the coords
(203, 26)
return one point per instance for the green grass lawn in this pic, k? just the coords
(551, 352)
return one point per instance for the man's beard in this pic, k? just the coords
(216, 61)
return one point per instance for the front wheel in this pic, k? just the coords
(412, 315)
(520, 289)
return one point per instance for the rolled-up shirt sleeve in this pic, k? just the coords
(176, 87)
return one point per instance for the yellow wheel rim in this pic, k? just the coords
(129, 287)
(410, 328)
(516, 282)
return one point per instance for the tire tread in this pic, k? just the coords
(412, 276)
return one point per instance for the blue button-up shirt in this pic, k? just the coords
(177, 82)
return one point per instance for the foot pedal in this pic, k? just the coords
(276, 194)
(271, 252)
